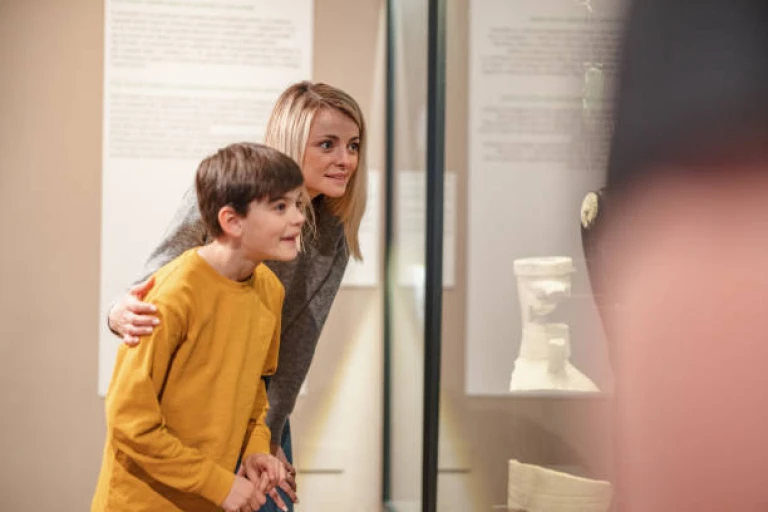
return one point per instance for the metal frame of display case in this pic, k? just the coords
(433, 298)
(389, 230)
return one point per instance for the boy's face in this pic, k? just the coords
(271, 229)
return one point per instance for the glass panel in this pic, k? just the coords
(525, 367)
(408, 26)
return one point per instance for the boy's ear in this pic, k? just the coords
(230, 221)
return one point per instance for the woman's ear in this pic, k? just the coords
(230, 222)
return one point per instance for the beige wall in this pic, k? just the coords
(337, 425)
(52, 426)
(50, 99)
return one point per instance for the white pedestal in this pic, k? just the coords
(536, 489)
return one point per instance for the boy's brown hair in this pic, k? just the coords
(238, 174)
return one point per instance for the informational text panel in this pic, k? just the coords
(182, 78)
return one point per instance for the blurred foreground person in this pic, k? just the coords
(688, 272)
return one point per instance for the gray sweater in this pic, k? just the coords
(311, 282)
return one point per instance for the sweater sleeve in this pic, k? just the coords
(136, 424)
(185, 231)
(298, 344)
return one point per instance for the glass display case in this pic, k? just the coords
(500, 384)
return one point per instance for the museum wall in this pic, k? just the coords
(51, 64)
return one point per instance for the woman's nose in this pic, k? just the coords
(343, 158)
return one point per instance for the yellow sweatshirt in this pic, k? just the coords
(189, 400)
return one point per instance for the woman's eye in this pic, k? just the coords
(354, 146)
(326, 144)
(280, 207)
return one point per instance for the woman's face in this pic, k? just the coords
(332, 153)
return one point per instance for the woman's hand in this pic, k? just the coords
(131, 317)
(288, 485)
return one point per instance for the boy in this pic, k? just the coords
(188, 402)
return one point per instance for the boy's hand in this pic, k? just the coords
(243, 496)
(266, 472)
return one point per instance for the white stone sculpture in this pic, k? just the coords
(543, 362)
(533, 488)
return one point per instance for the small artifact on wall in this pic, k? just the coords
(595, 209)
(543, 362)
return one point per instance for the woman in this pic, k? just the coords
(322, 128)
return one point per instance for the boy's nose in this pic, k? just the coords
(299, 217)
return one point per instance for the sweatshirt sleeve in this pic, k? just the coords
(137, 426)
(259, 435)
(297, 347)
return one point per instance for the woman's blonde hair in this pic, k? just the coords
(288, 131)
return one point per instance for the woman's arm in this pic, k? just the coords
(130, 317)
(185, 231)
(299, 339)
